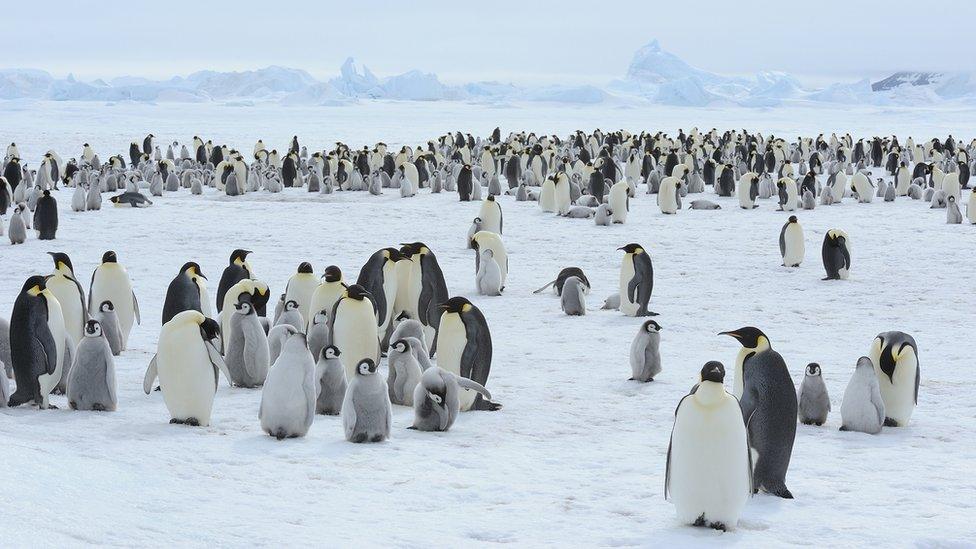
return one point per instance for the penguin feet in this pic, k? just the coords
(175, 421)
(782, 492)
(376, 438)
(888, 422)
(280, 434)
(73, 405)
(358, 437)
(700, 521)
(718, 526)
(192, 422)
(96, 407)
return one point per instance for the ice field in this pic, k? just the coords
(577, 455)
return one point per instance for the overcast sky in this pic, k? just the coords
(522, 41)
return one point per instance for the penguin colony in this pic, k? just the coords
(322, 348)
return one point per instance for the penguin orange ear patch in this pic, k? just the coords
(466, 308)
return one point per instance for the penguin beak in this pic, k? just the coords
(733, 333)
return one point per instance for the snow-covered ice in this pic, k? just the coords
(577, 455)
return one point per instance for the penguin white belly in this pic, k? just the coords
(971, 207)
(950, 184)
(791, 196)
(742, 192)
(899, 397)
(737, 383)
(404, 272)
(112, 284)
(283, 400)
(904, 180)
(390, 282)
(547, 196)
(700, 484)
(324, 298)
(186, 375)
(863, 187)
(795, 249)
(205, 301)
(627, 273)
(666, 195)
(300, 289)
(839, 188)
(451, 340)
(618, 202)
(354, 333)
(70, 300)
(491, 219)
(563, 199)
(55, 323)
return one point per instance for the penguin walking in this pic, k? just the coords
(436, 399)
(110, 282)
(247, 355)
(863, 409)
(187, 365)
(836, 255)
(636, 281)
(366, 410)
(709, 470)
(108, 322)
(289, 394)
(791, 246)
(464, 348)
(894, 355)
(813, 402)
(33, 352)
(645, 356)
(91, 383)
(331, 378)
(769, 408)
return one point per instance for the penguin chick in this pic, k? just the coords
(645, 356)
(366, 409)
(813, 401)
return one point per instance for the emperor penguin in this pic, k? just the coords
(424, 287)
(951, 186)
(63, 343)
(562, 196)
(903, 178)
(636, 281)
(404, 370)
(953, 215)
(91, 383)
(572, 298)
(645, 355)
(366, 410)
(437, 401)
(184, 292)
(248, 355)
(291, 315)
(108, 322)
(813, 402)
(288, 398)
(485, 240)
(188, 367)
(331, 288)
(354, 329)
(791, 247)
(619, 202)
(33, 351)
(769, 408)
(547, 195)
(970, 208)
(863, 409)
(260, 294)
(488, 275)
(300, 288)
(862, 186)
(238, 269)
(667, 198)
(379, 277)
(464, 348)
(491, 215)
(331, 377)
(836, 255)
(709, 467)
(748, 190)
(46, 217)
(788, 194)
(65, 286)
(17, 232)
(894, 355)
(318, 335)
(110, 282)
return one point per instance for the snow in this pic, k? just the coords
(577, 454)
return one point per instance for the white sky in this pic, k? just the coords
(521, 41)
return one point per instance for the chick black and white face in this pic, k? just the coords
(366, 368)
(652, 326)
(400, 346)
(435, 398)
(106, 306)
(244, 308)
(330, 352)
(813, 369)
(291, 305)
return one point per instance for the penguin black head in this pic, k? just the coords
(106, 306)
(110, 257)
(209, 328)
(239, 255)
(792, 219)
(34, 285)
(651, 326)
(193, 267)
(393, 254)
(748, 336)
(357, 292)
(47, 193)
(60, 257)
(291, 305)
(399, 345)
(632, 248)
(330, 352)
(813, 369)
(332, 274)
(305, 267)
(713, 370)
(456, 305)
(93, 328)
(366, 367)
(491, 198)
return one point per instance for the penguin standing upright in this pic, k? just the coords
(895, 358)
(636, 281)
(464, 348)
(330, 290)
(288, 398)
(491, 215)
(709, 469)
(354, 329)
(91, 383)
(813, 403)
(331, 378)
(247, 354)
(300, 288)
(424, 287)
(791, 246)
(237, 269)
(65, 286)
(769, 408)
(836, 255)
(46, 216)
(379, 277)
(33, 352)
(110, 282)
(863, 409)
(183, 293)
(366, 410)
(645, 356)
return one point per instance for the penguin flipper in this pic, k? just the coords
(218, 362)
(474, 386)
(542, 289)
(150, 377)
(135, 308)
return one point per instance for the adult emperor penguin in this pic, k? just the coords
(813, 402)
(791, 247)
(188, 367)
(436, 399)
(636, 281)
(769, 408)
(65, 286)
(354, 329)
(366, 410)
(184, 291)
(464, 348)
(425, 288)
(863, 409)
(110, 282)
(330, 290)
(91, 383)
(619, 202)
(379, 277)
(895, 358)
(491, 215)
(238, 269)
(836, 255)
(46, 216)
(288, 398)
(547, 194)
(247, 355)
(748, 190)
(33, 352)
(300, 288)
(709, 469)
(645, 356)
(562, 196)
